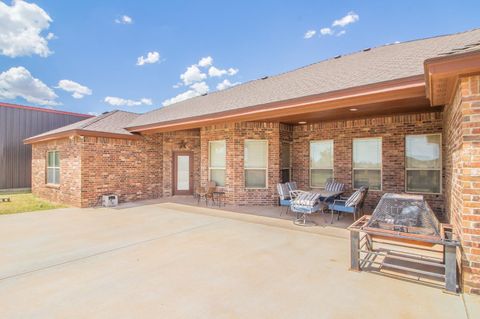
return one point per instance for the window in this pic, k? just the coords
(217, 151)
(286, 162)
(255, 163)
(423, 163)
(367, 163)
(53, 168)
(321, 162)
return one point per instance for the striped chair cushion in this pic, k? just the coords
(306, 199)
(355, 198)
(283, 191)
(333, 186)
(292, 186)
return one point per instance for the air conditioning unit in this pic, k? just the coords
(109, 200)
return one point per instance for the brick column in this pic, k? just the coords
(462, 173)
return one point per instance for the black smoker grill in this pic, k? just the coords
(404, 221)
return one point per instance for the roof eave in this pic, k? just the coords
(45, 110)
(413, 86)
(442, 74)
(77, 132)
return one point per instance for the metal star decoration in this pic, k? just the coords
(183, 144)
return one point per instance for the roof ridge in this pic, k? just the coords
(375, 47)
(96, 119)
(123, 111)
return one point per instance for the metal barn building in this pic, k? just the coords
(18, 122)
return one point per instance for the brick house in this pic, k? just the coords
(401, 118)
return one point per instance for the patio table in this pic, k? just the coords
(325, 195)
(328, 194)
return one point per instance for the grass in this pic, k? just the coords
(20, 203)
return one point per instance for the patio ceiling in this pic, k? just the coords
(400, 106)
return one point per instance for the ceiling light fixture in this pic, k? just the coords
(354, 110)
(302, 122)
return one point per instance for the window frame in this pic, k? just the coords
(430, 169)
(368, 169)
(282, 168)
(217, 168)
(254, 168)
(53, 167)
(310, 162)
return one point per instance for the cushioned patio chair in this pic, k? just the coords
(352, 205)
(284, 197)
(333, 186)
(293, 190)
(304, 205)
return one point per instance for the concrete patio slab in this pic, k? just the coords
(175, 261)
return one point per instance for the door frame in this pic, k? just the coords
(175, 175)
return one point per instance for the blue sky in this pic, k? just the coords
(95, 50)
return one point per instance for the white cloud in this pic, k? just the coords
(232, 71)
(192, 75)
(196, 89)
(118, 101)
(326, 31)
(18, 82)
(21, 25)
(226, 84)
(214, 72)
(309, 34)
(200, 87)
(351, 17)
(124, 20)
(339, 34)
(93, 113)
(206, 61)
(51, 36)
(152, 57)
(78, 91)
(194, 78)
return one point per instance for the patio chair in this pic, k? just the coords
(284, 197)
(293, 190)
(352, 205)
(304, 205)
(333, 186)
(206, 192)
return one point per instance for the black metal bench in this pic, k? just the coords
(4, 199)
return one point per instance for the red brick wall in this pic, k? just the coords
(235, 134)
(392, 130)
(68, 191)
(462, 174)
(143, 169)
(261, 131)
(131, 169)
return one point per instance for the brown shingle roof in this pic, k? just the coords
(376, 65)
(112, 122)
